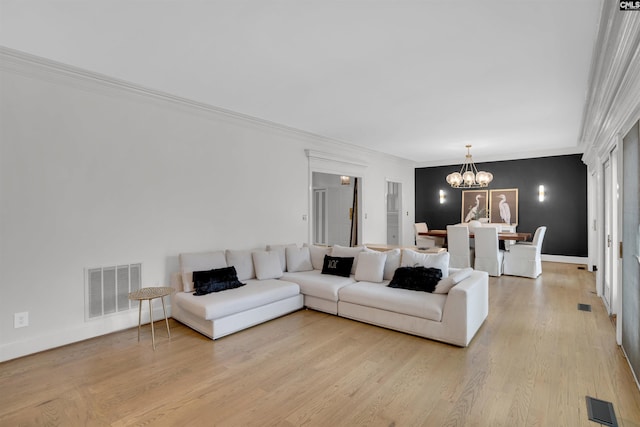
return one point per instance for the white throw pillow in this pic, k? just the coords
(445, 284)
(348, 252)
(440, 260)
(371, 266)
(280, 250)
(243, 262)
(199, 261)
(317, 255)
(267, 265)
(392, 263)
(298, 259)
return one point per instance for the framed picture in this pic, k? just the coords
(475, 205)
(504, 206)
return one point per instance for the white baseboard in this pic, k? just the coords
(565, 259)
(83, 331)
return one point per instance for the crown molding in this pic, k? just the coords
(532, 154)
(613, 100)
(33, 66)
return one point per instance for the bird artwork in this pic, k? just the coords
(475, 209)
(505, 210)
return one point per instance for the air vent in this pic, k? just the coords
(601, 412)
(107, 289)
(584, 307)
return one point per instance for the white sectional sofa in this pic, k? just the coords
(452, 313)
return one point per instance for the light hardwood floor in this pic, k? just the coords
(531, 364)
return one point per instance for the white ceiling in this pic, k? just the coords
(416, 79)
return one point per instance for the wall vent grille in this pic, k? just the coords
(107, 289)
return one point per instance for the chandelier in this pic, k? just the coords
(469, 177)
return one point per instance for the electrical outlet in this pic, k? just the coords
(20, 320)
(304, 217)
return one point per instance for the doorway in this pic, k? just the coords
(333, 208)
(607, 274)
(629, 318)
(394, 209)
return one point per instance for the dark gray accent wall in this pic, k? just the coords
(564, 210)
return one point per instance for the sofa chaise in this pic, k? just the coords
(286, 278)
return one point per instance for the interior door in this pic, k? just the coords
(608, 233)
(394, 208)
(320, 223)
(629, 318)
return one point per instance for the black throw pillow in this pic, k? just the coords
(216, 280)
(337, 266)
(416, 278)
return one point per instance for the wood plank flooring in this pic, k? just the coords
(531, 364)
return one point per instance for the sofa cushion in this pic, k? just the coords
(199, 261)
(243, 262)
(281, 251)
(416, 278)
(298, 259)
(255, 293)
(337, 266)
(216, 280)
(402, 301)
(317, 255)
(316, 284)
(346, 252)
(412, 258)
(453, 279)
(371, 265)
(267, 265)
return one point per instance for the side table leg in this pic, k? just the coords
(139, 317)
(165, 317)
(153, 337)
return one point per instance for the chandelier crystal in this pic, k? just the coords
(469, 177)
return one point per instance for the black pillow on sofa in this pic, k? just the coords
(422, 279)
(337, 266)
(216, 280)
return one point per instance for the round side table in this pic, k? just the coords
(150, 294)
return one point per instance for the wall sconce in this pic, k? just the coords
(442, 196)
(541, 193)
(345, 180)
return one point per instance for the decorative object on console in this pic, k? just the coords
(469, 177)
(504, 206)
(337, 266)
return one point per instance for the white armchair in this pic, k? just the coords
(524, 259)
(460, 253)
(425, 242)
(489, 257)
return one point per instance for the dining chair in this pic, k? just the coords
(523, 258)
(488, 257)
(460, 253)
(425, 242)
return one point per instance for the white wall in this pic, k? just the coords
(96, 173)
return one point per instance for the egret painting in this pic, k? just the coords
(475, 204)
(504, 206)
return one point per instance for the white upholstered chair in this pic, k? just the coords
(460, 254)
(426, 241)
(524, 259)
(488, 257)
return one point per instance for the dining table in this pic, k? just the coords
(501, 236)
